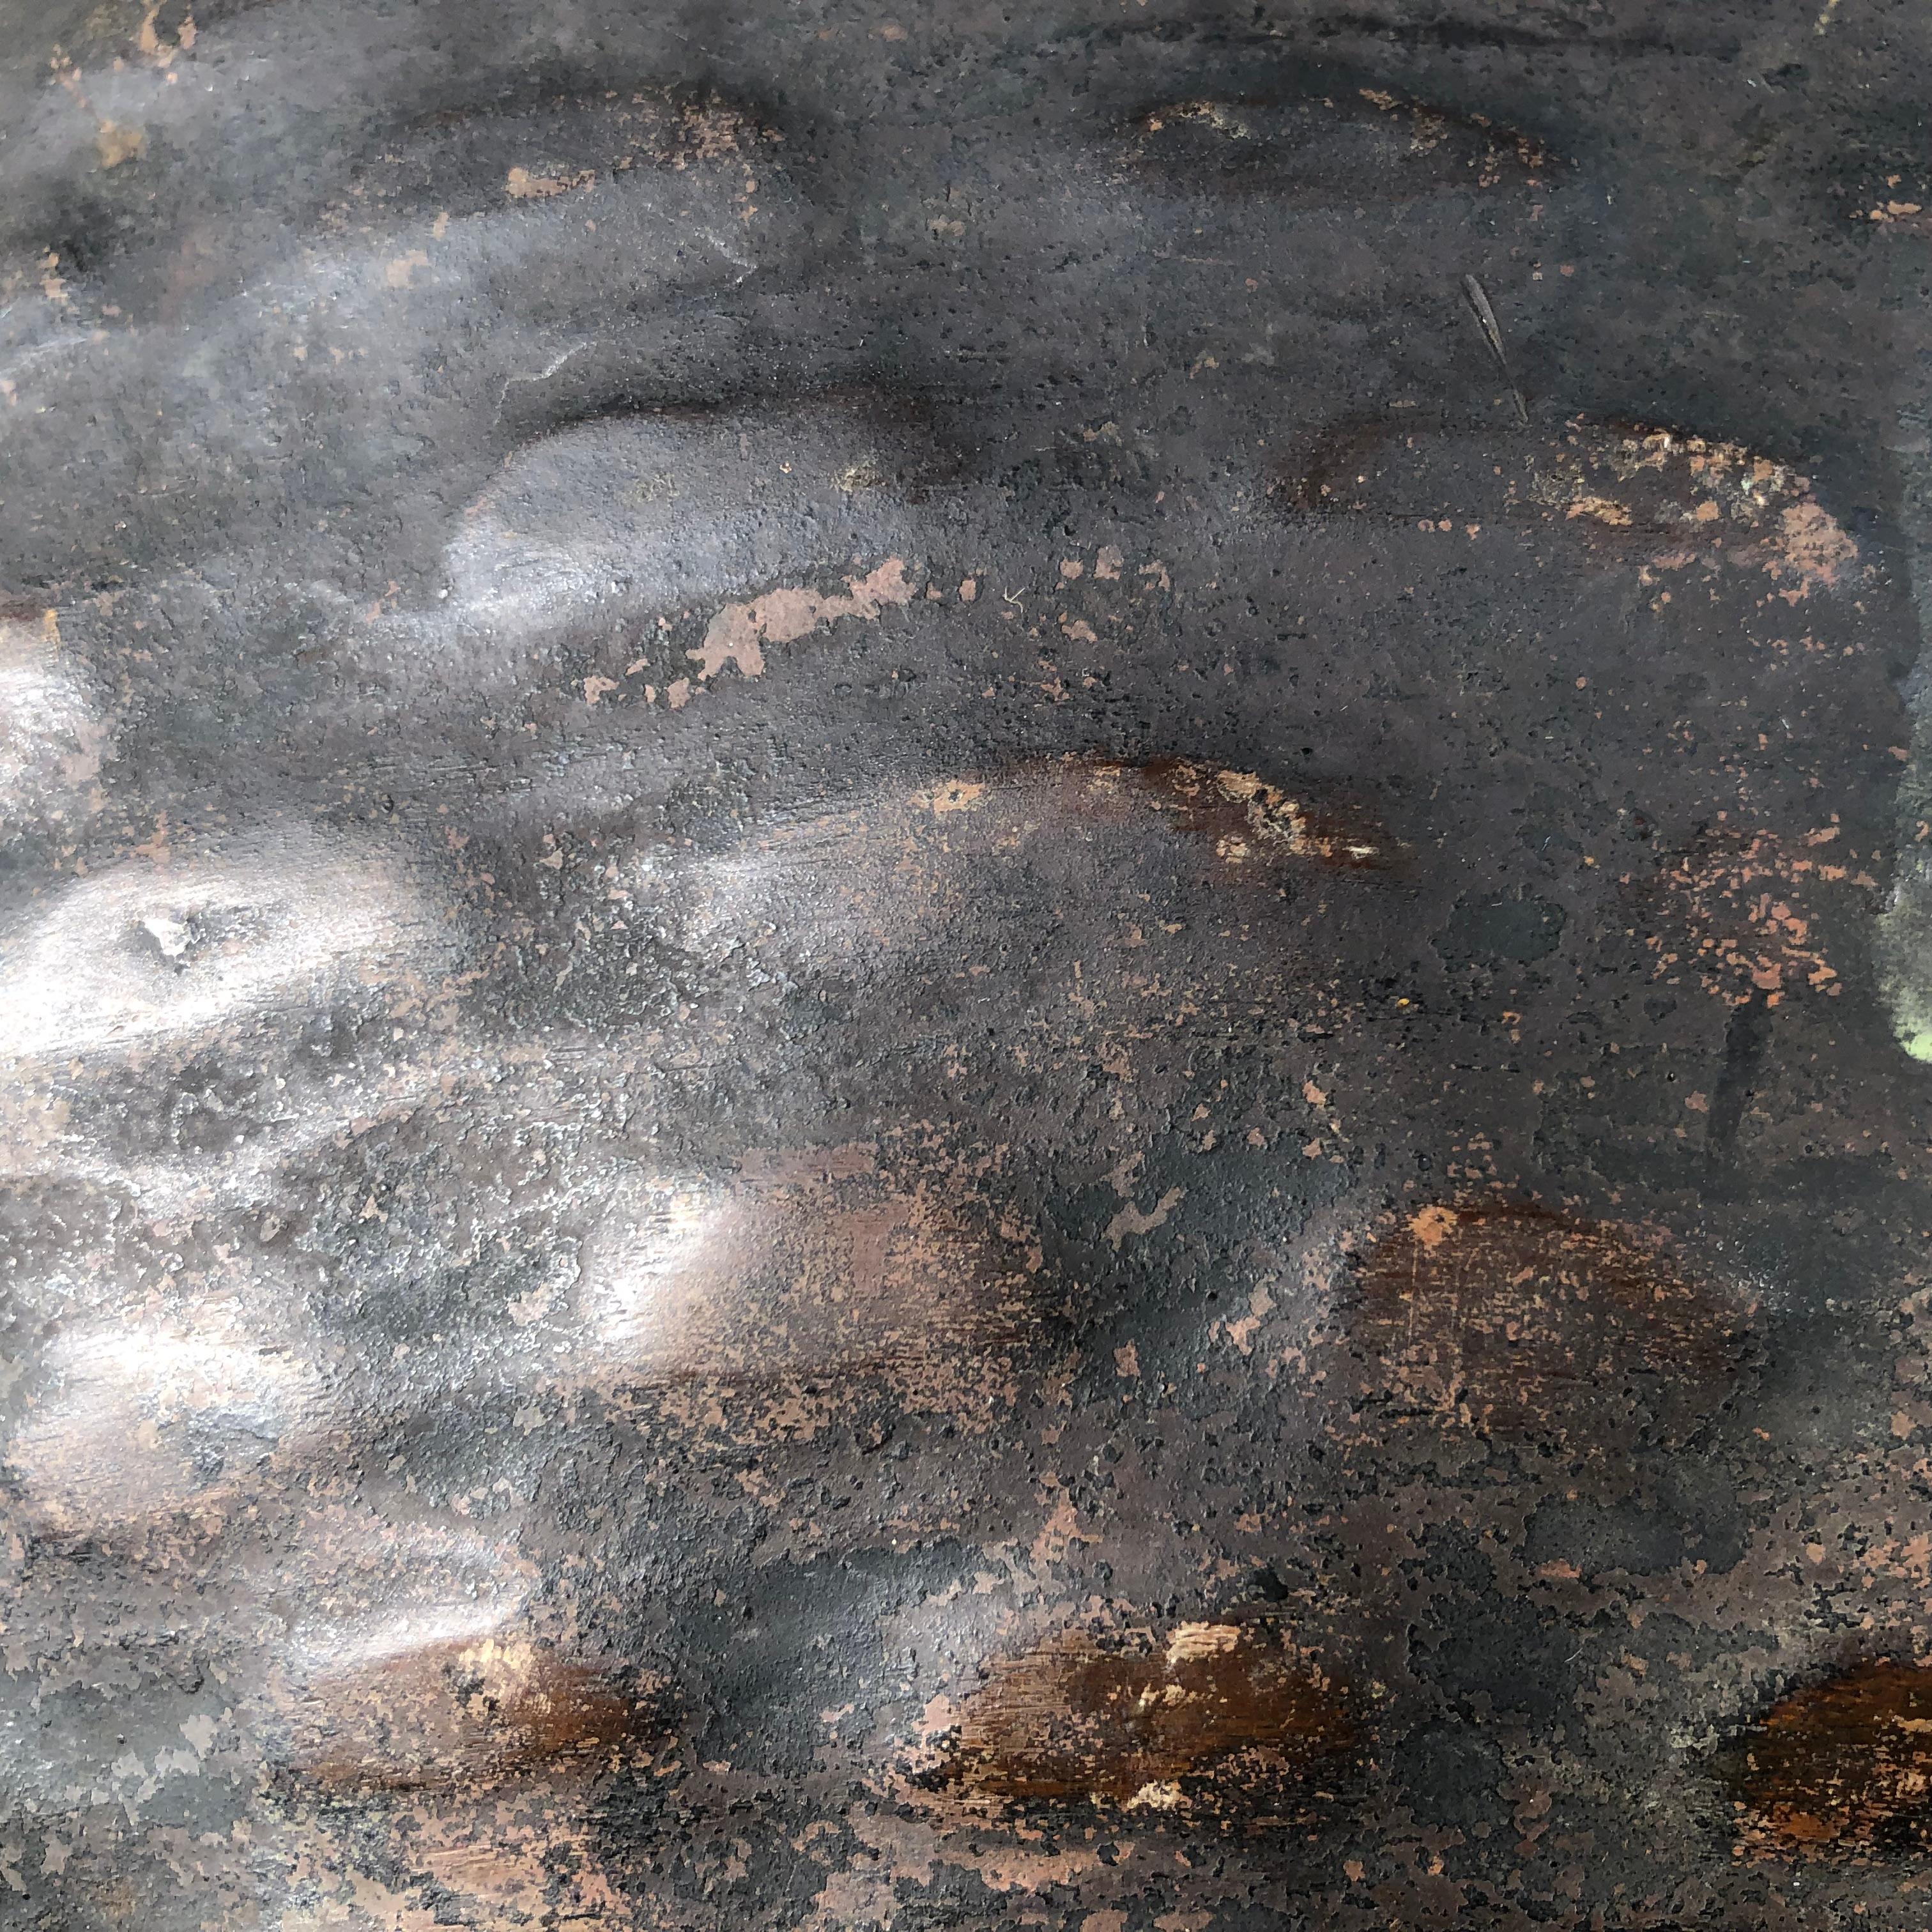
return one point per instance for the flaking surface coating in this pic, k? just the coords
(963, 967)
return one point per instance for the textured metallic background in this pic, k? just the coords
(964, 967)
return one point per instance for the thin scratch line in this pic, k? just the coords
(556, 363)
(1485, 320)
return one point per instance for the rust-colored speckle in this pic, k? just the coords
(1743, 910)
(794, 1273)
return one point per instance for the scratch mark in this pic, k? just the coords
(1486, 319)
(542, 375)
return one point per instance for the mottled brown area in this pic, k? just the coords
(1633, 486)
(1035, 813)
(912, 874)
(549, 144)
(1519, 1322)
(1844, 1766)
(1326, 146)
(812, 1265)
(1224, 1720)
(1242, 814)
(715, 944)
(457, 1714)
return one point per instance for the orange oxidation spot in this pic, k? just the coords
(1519, 1322)
(1844, 1766)
(1215, 1719)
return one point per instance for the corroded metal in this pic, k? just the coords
(964, 967)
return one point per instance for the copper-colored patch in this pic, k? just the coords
(1221, 1720)
(1520, 1322)
(1845, 1766)
(463, 1714)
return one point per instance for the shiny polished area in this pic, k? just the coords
(968, 967)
